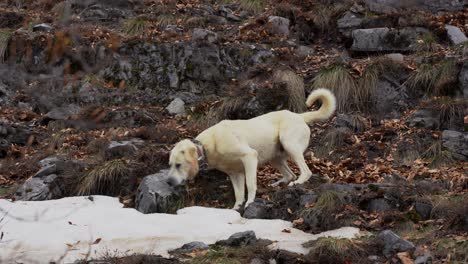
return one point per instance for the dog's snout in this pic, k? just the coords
(172, 182)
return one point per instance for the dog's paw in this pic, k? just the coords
(294, 183)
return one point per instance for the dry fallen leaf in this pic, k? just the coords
(286, 230)
(405, 258)
(96, 241)
(299, 221)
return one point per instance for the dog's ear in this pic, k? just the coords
(191, 154)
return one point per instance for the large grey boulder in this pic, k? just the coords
(38, 189)
(169, 68)
(386, 39)
(155, 195)
(49, 182)
(456, 142)
(424, 118)
(463, 79)
(394, 6)
(394, 244)
(278, 26)
(455, 35)
(350, 21)
(391, 99)
(259, 209)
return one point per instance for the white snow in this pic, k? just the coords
(63, 230)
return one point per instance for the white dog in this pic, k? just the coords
(238, 147)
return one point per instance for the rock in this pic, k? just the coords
(278, 26)
(42, 28)
(119, 149)
(240, 239)
(356, 123)
(14, 134)
(424, 259)
(423, 209)
(162, 70)
(378, 206)
(394, 6)
(259, 209)
(394, 244)
(226, 12)
(155, 195)
(257, 261)
(50, 181)
(455, 35)
(61, 113)
(396, 57)
(106, 11)
(189, 247)
(349, 22)
(456, 142)
(38, 189)
(5, 94)
(200, 35)
(308, 198)
(463, 79)
(304, 51)
(176, 107)
(391, 99)
(424, 118)
(262, 56)
(386, 39)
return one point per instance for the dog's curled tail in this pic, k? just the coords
(326, 110)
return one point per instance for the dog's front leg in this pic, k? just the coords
(250, 162)
(238, 183)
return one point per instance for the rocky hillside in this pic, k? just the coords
(93, 94)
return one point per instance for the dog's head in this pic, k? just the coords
(183, 162)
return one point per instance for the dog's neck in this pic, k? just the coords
(202, 159)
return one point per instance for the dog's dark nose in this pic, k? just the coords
(171, 182)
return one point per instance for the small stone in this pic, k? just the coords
(61, 113)
(456, 142)
(42, 28)
(394, 244)
(259, 209)
(396, 57)
(425, 259)
(278, 26)
(119, 149)
(239, 239)
(308, 198)
(204, 36)
(176, 107)
(379, 205)
(455, 35)
(304, 51)
(257, 261)
(189, 247)
(423, 209)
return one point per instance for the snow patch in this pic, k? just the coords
(64, 230)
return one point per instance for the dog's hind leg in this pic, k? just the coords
(250, 161)
(238, 183)
(282, 165)
(295, 140)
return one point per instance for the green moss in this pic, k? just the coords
(373, 187)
